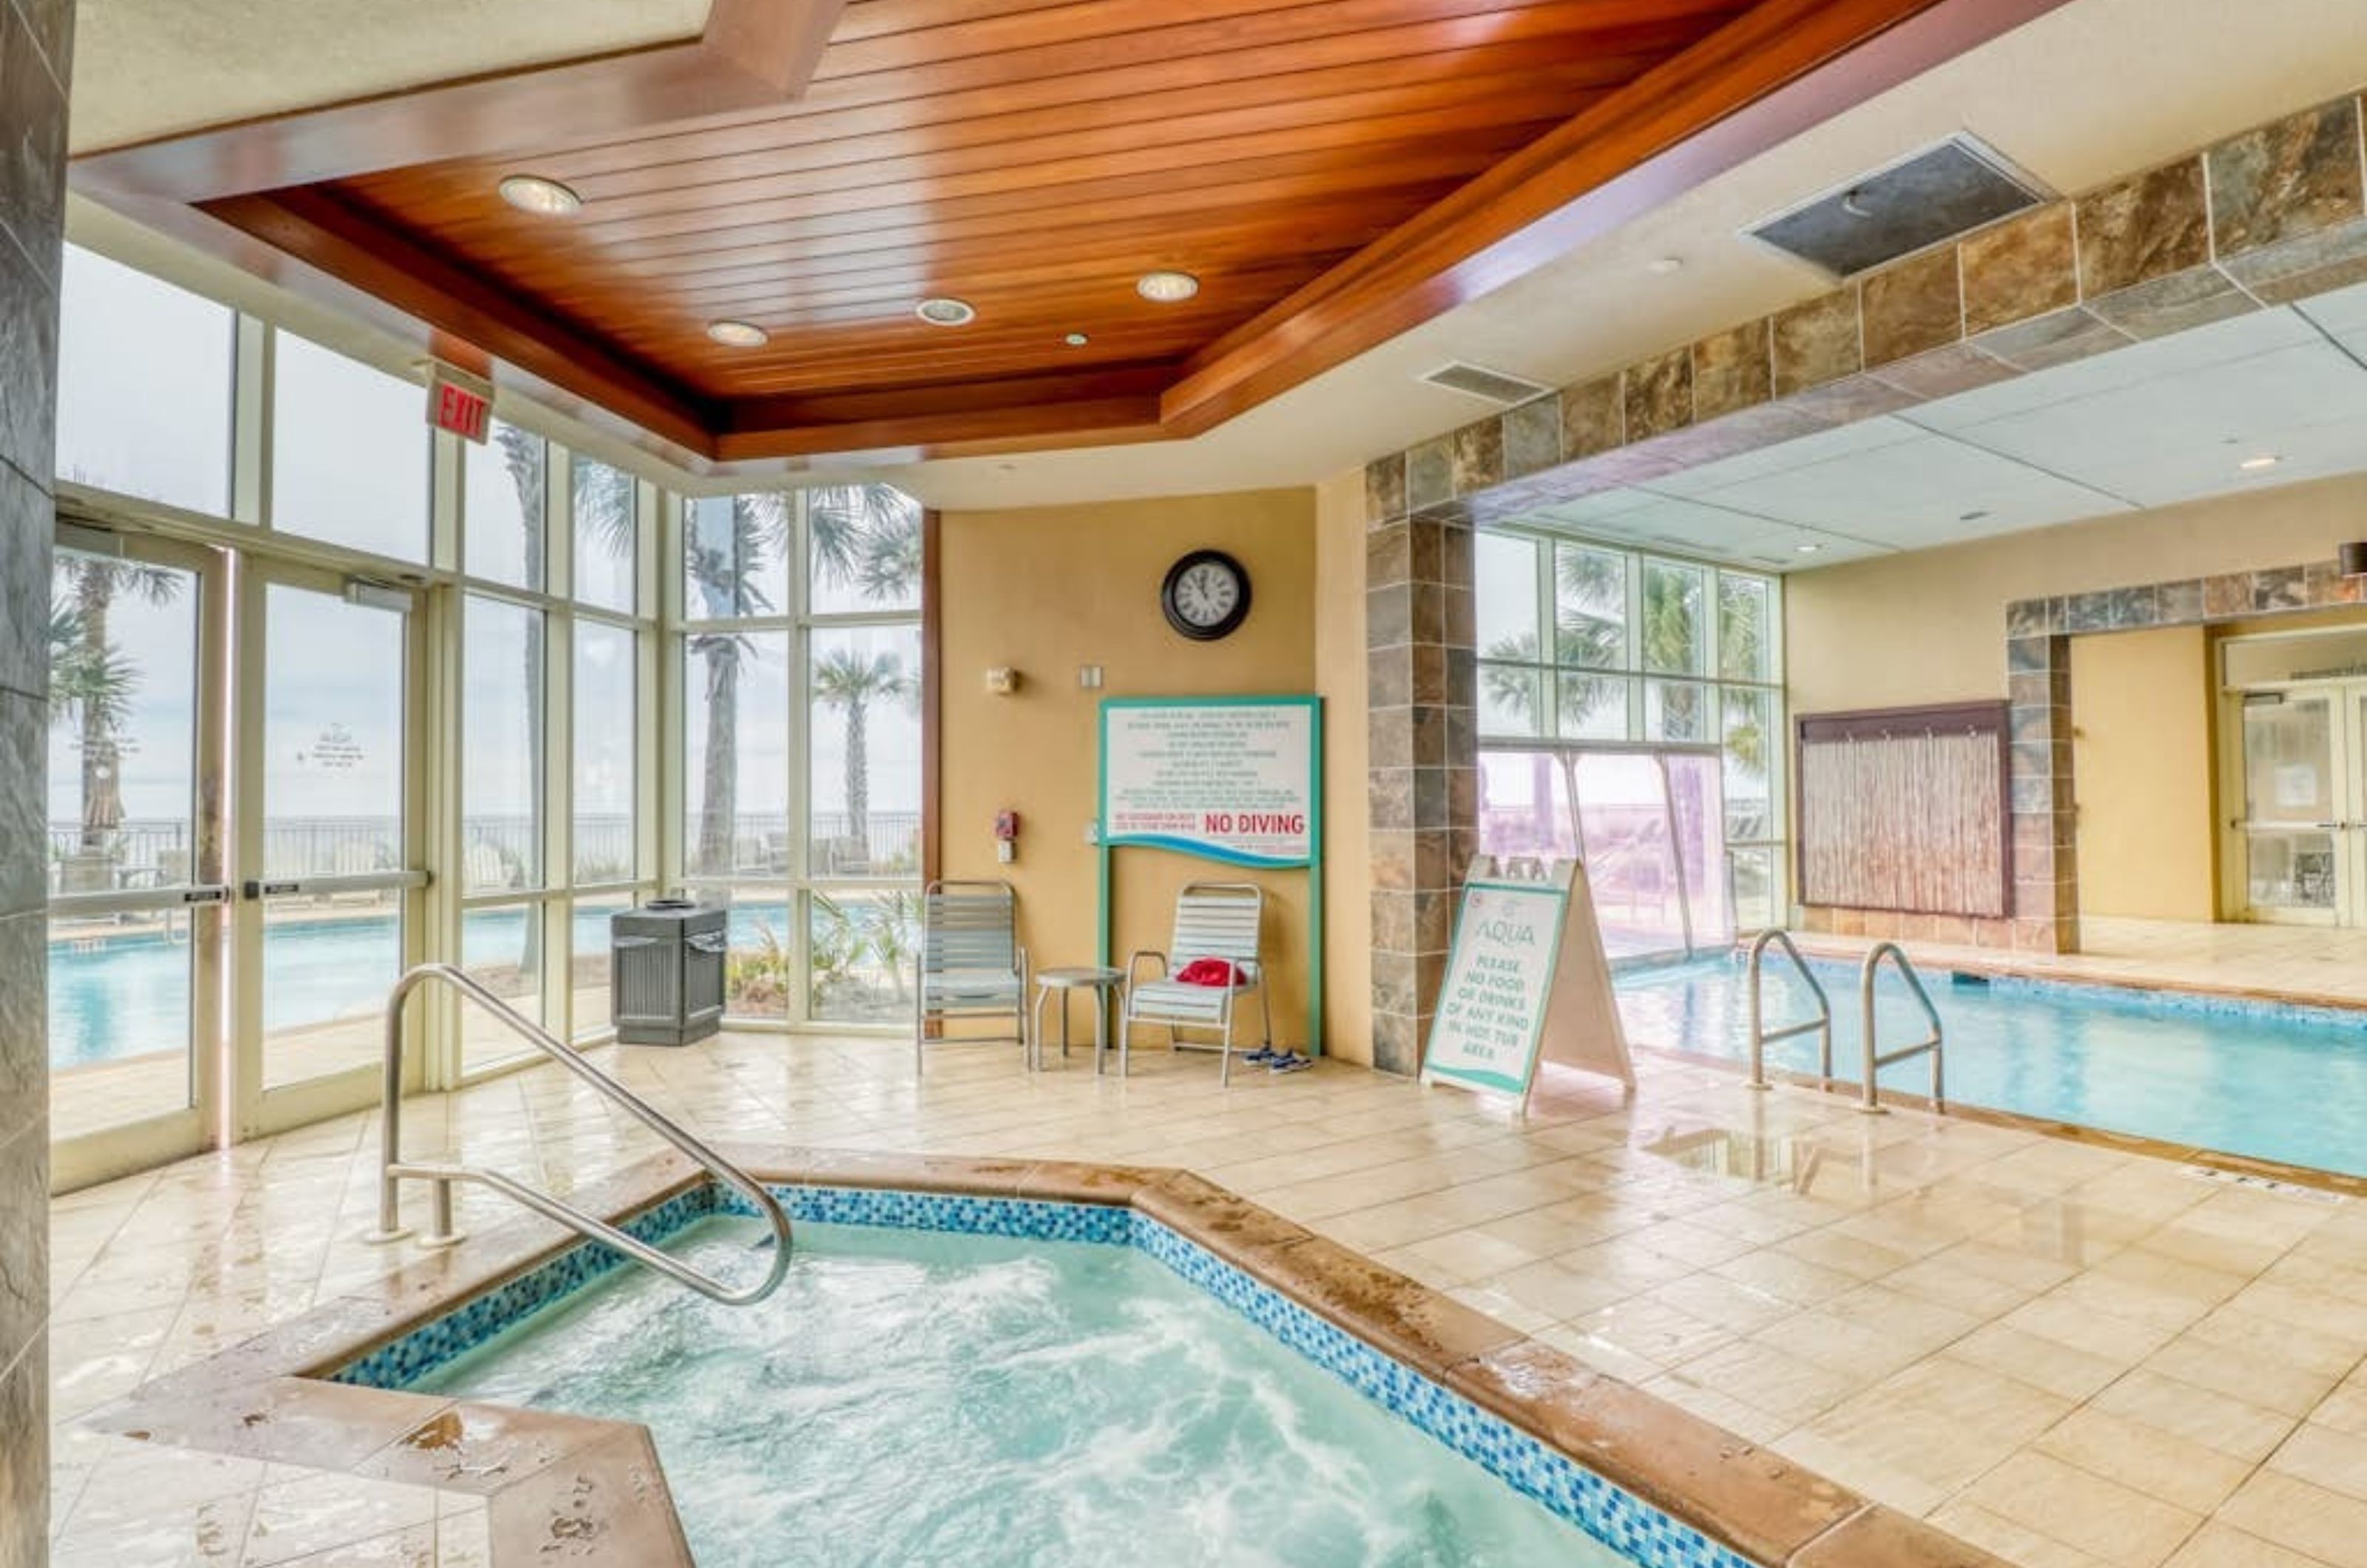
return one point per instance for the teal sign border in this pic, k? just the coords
(1482, 1080)
(1313, 864)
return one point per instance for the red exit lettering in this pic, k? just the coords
(466, 413)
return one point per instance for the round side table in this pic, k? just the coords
(1100, 982)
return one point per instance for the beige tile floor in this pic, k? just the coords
(2073, 1355)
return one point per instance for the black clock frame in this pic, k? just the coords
(1175, 618)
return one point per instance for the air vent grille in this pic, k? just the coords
(1934, 195)
(1490, 386)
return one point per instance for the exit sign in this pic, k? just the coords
(453, 404)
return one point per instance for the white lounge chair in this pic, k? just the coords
(1213, 919)
(971, 965)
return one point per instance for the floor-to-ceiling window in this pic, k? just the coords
(1630, 713)
(799, 661)
(338, 694)
(552, 649)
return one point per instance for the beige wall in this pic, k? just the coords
(2141, 740)
(1930, 626)
(1047, 590)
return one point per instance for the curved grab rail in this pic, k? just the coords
(393, 1171)
(1876, 1059)
(1760, 1035)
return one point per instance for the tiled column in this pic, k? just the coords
(2046, 867)
(1423, 687)
(35, 37)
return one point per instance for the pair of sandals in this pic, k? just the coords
(1275, 1061)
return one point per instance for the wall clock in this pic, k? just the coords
(1206, 596)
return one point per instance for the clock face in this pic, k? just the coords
(1206, 595)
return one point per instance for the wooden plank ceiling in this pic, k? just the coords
(1032, 157)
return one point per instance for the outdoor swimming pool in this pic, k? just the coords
(1143, 1401)
(113, 995)
(2279, 1083)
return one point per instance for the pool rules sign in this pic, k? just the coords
(1526, 982)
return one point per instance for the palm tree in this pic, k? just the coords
(851, 681)
(868, 536)
(522, 459)
(723, 566)
(92, 683)
(1590, 632)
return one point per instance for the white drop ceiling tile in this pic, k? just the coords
(2341, 312)
(2307, 452)
(1588, 509)
(2226, 406)
(1864, 435)
(1689, 520)
(1913, 489)
(2237, 338)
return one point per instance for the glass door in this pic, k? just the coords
(137, 647)
(2298, 807)
(327, 844)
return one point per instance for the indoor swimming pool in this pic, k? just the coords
(1145, 1402)
(2247, 1077)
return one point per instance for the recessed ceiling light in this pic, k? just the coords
(545, 199)
(1076, 340)
(1167, 287)
(2254, 465)
(1664, 267)
(1808, 550)
(946, 312)
(737, 334)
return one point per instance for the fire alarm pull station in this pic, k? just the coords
(1006, 836)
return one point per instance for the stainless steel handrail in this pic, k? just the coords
(1876, 1059)
(1760, 1035)
(393, 1171)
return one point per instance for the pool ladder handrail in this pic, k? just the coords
(1760, 1035)
(1869, 1099)
(393, 1170)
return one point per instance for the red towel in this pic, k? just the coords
(1209, 971)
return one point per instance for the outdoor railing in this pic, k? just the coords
(144, 853)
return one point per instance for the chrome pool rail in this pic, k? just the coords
(1760, 1035)
(393, 1171)
(1876, 1059)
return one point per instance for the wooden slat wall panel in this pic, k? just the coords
(1906, 811)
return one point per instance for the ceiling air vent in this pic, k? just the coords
(1933, 196)
(1490, 386)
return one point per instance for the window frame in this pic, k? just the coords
(1551, 674)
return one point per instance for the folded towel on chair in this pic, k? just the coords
(1209, 971)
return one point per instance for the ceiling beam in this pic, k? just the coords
(335, 241)
(1781, 68)
(753, 54)
(1778, 69)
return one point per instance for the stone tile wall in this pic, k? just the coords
(2274, 215)
(1423, 686)
(35, 42)
(2266, 217)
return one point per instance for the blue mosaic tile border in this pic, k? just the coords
(1840, 978)
(2210, 1004)
(1603, 1510)
(1026, 1219)
(1609, 1513)
(404, 1362)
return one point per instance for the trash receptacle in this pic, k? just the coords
(665, 971)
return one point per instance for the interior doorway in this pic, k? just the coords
(2295, 773)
